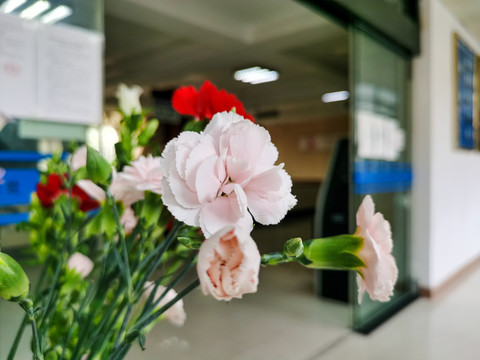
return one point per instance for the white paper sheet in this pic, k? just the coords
(17, 66)
(69, 74)
(378, 137)
(50, 72)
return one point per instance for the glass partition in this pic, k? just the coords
(381, 164)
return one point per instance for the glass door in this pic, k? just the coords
(380, 158)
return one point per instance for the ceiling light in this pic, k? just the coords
(10, 5)
(335, 96)
(256, 75)
(36, 9)
(59, 13)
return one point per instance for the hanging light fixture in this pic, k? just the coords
(36, 9)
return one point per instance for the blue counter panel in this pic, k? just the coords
(373, 176)
(13, 218)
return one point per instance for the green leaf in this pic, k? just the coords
(98, 169)
(152, 208)
(141, 341)
(133, 122)
(195, 125)
(148, 132)
(336, 252)
(123, 157)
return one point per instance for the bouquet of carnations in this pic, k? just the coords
(115, 239)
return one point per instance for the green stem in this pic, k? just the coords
(18, 337)
(121, 236)
(27, 305)
(276, 258)
(122, 350)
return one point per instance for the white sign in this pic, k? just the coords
(378, 137)
(17, 66)
(61, 72)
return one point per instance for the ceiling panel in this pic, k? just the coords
(164, 44)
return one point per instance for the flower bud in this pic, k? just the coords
(98, 169)
(14, 283)
(293, 247)
(336, 252)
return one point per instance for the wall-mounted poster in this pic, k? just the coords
(465, 90)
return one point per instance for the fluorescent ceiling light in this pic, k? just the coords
(10, 5)
(59, 13)
(36, 9)
(335, 96)
(255, 75)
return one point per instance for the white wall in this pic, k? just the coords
(446, 194)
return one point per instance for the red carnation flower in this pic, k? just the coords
(49, 192)
(206, 102)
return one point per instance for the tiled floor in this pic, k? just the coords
(284, 321)
(445, 328)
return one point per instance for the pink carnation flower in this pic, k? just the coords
(380, 273)
(228, 264)
(81, 264)
(79, 158)
(128, 220)
(222, 175)
(125, 190)
(145, 174)
(93, 190)
(176, 313)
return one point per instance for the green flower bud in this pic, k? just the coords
(14, 283)
(336, 252)
(98, 169)
(293, 247)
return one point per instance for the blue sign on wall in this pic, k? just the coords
(465, 91)
(18, 185)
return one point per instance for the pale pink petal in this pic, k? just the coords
(176, 313)
(183, 148)
(93, 190)
(221, 212)
(81, 264)
(239, 170)
(380, 230)
(207, 182)
(204, 149)
(220, 123)
(365, 212)
(188, 215)
(128, 220)
(124, 190)
(184, 195)
(246, 140)
(267, 159)
(269, 196)
(79, 158)
(145, 174)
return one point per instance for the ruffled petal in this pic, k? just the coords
(269, 196)
(221, 212)
(207, 182)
